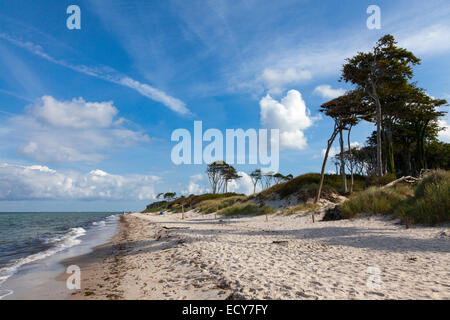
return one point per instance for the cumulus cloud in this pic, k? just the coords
(444, 134)
(43, 183)
(325, 91)
(243, 185)
(197, 185)
(70, 131)
(276, 79)
(290, 116)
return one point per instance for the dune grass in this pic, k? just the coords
(210, 206)
(247, 208)
(197, 202)
(307, 207)
(374, 200)
(307, 185)
(427, 203)
(431, 202)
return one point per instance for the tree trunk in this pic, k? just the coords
(422, 146)
(322, 174)
(409, 167)
(379, 169)
(350, 159)
(389, 150)
(343, 175)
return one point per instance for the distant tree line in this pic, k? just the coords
(220, 174)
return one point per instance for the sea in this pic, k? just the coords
(33, 244)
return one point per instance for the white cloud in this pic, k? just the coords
(105, 73)
(196, 185)
(42, 183)
(70, 131)
(429, 40)
(154, 94)
(276, 79)
(290, 116)
(243, 185)
(444, 134)
(76, 114)
(325, 91)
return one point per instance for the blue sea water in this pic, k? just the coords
(28, 238)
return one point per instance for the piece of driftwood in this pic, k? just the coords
(407, 179)
(280, 241)
(176, 228)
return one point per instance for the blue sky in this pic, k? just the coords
(86, 115)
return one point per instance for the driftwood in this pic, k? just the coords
(407, 179)
(280, 241)
(176, 228)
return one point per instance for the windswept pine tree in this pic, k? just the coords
(383, 68)
(346, 112)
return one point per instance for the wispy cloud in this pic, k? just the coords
(434, 39)
(105, 73)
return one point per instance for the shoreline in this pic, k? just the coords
(137, 264)
(165, 257)
(35, 275)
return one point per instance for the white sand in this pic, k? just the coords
(216, 258)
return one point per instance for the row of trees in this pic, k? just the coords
(220, 174)
(267, 179)
(406, 118)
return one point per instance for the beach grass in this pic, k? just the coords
(427, 203)
(247, 208)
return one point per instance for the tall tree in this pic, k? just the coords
(386, 65)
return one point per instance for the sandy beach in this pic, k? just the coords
(288, 257)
